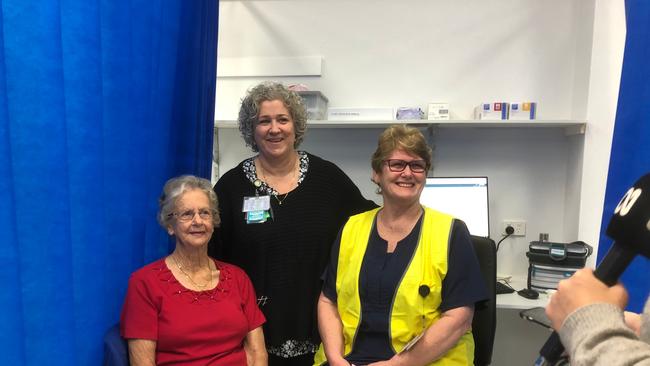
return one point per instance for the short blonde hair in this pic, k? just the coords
(401, 137)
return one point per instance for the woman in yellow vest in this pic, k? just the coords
(402, 280)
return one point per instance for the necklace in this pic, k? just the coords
(180, 268)
(275, 193)
(389, 226)
(281, 200)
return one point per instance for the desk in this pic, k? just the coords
(514, 301)
(517, 341)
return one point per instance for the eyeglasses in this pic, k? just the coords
(185, 216)
(397, 165)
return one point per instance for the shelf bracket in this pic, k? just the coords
(432, 130)
(575, 130)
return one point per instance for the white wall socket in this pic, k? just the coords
(518, 225)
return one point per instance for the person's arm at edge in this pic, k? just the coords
(255, 348)
(142, 352)
(588, 316)
(596, 335)
(331, 331)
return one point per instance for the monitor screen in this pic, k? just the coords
(465, 198)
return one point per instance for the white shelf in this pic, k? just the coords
(571, 127)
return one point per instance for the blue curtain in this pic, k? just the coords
(630, 155)
(100, 103)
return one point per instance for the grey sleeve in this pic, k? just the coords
(597, 335)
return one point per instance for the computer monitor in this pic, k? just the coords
(465, 198)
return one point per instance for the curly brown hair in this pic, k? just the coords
(268, 91)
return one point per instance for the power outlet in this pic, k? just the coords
(518, 225)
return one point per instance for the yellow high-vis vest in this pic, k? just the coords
(411, 313)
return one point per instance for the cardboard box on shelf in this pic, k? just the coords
(438, 111)
(315, 103)
(360, 114)
(523, 110)
(495, 111)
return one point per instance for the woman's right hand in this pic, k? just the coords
(582, 289)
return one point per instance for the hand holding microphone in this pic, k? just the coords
(582, 289)
(630, 229)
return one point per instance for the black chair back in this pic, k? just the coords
(484, 323)
(115, 348)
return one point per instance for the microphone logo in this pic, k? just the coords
(628, 201)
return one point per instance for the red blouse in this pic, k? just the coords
(190, 327)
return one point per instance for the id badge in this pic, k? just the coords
(256, 203)
(256, 209)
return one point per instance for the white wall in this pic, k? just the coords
(391, 54)
(605, 75)
(408, 53)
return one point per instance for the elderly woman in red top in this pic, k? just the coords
(188, 308)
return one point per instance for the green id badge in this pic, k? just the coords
(257, 216)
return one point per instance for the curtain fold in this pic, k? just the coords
(630, 154)
(100, 103)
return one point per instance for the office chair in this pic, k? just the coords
(115, 348)
(485, 312)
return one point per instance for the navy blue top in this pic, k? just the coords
(380, 275)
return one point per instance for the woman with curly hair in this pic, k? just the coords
(281, 211)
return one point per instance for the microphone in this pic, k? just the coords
(424, 290)
(630, 229)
